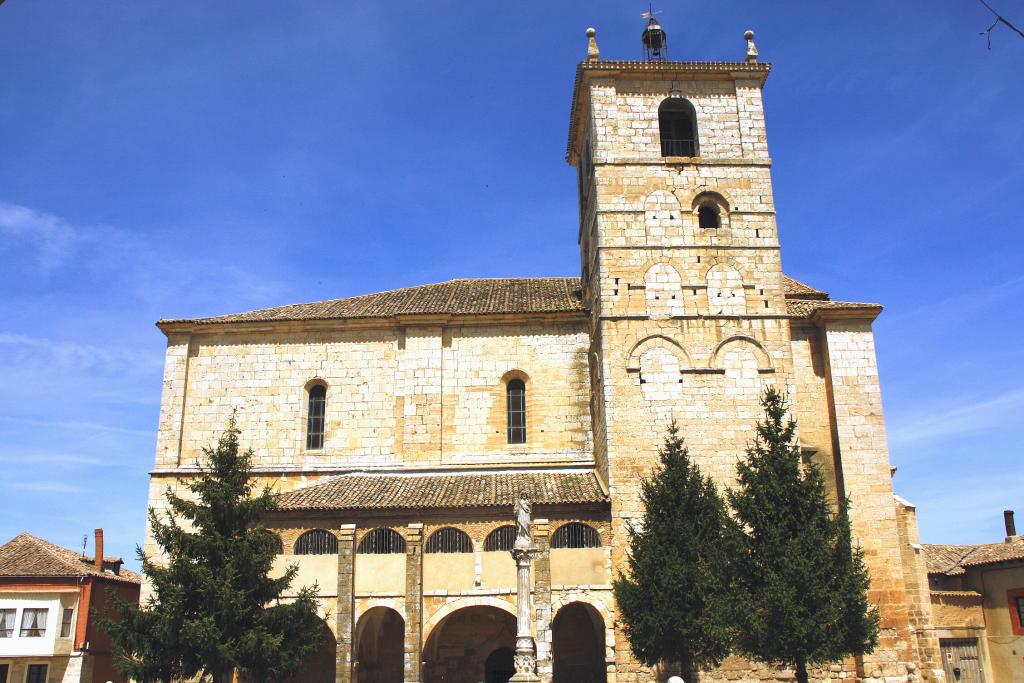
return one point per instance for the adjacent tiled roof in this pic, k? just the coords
(952, 559)
(794, 289)
(993, 553)
(945, 559)
(455, 297)
(804, 308)
(802, 300)
(26, 555)
(398, 491)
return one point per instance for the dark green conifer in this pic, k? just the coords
(674, 600)
(214, 610)
(801, 583)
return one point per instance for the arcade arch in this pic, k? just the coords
(578, 645)
(470, 644)
(379, 647)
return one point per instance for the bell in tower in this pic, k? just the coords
(654, 39)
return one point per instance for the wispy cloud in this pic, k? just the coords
(966, 419)
(74, 426)
(73, 354)
(51, 237)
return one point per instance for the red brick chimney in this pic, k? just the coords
(98, 561)
(1011, 528)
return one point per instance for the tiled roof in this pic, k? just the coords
(945, 559)
(455, 297)
(406, 492)
(794, 289)
(26, 555)
(804, 308)
(952, 559)
(993, 553)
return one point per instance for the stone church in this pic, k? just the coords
(400, 427)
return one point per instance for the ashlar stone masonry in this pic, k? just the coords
(681, 311)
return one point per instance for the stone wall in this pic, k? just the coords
(396, 395)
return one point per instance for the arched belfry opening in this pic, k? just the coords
(677, 124)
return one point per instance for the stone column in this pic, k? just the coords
(526, 653)
(346, 603)
(542, 599)
(413, 602)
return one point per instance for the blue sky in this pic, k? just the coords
(163, 159)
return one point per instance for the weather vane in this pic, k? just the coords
(654, 39)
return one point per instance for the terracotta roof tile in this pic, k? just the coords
(952, 559)
(794, 289)
(26, 555)
(945, 559)
(804, 308)
(398, 491)
(994, 553)
(455, 297)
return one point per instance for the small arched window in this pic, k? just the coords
(708, 217)
(677, 123)
(449, 540)
(515, 393)
(315, 417)
(382, 541)
(502, 538)
(576, 535)
(316, 542)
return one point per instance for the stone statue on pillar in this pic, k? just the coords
(523, 520)
(523, 552)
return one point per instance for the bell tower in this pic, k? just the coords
(682, 277)
(679, 253)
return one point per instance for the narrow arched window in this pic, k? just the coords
(316, 542)
(315, 417)
(449, 540)
(515, 393)
(576, 535)
(677, 122)
(382, 541)
(708, 217)
(502, 538)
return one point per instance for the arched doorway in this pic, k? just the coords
(319, 665)
(379, 647)
(465, 646)
(578, 645)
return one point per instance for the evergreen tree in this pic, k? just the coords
(802, 585)
(214, 610)
(674, 602)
